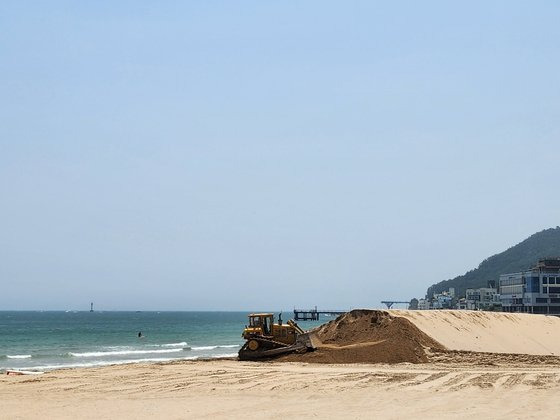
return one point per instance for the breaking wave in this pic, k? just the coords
(181, 344)
(227, 346)
(123, 352)
(101, 363)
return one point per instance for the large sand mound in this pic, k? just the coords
(374, 336)
(368, 336)
(489, 332)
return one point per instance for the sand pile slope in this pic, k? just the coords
(491, 332)
(368, 336)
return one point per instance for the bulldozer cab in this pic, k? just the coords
(261, 323)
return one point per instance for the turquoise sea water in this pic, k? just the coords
(52, 340)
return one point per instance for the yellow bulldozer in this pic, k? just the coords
(265, 339)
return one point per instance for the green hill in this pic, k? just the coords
(520, 257)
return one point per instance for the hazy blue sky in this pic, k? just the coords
(246, 155)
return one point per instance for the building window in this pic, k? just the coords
(542, 300)
(545, 289)
(545, 280)
(552, 280)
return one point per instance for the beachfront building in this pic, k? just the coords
(443, 300)
(534, 291)
(484, 298)
(423, 304)
(461, 304)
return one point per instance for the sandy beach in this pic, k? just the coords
(232, 389)
(459, 375)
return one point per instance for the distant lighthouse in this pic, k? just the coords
(91, 307)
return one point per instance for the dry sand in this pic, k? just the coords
(231, 389)
(447, 380)
(495, 332)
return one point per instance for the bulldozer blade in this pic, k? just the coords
(306, 340)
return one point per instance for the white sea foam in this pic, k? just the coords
(225, 355)
(19, 356)
(124, 352)
(181, 344)
(100, 363)
(227, 346)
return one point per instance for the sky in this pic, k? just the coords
(219, 155)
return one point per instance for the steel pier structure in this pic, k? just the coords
(313, 314)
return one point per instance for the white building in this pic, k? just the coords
(423, 304)
(483, 298)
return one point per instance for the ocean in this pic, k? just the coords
(35, 340)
